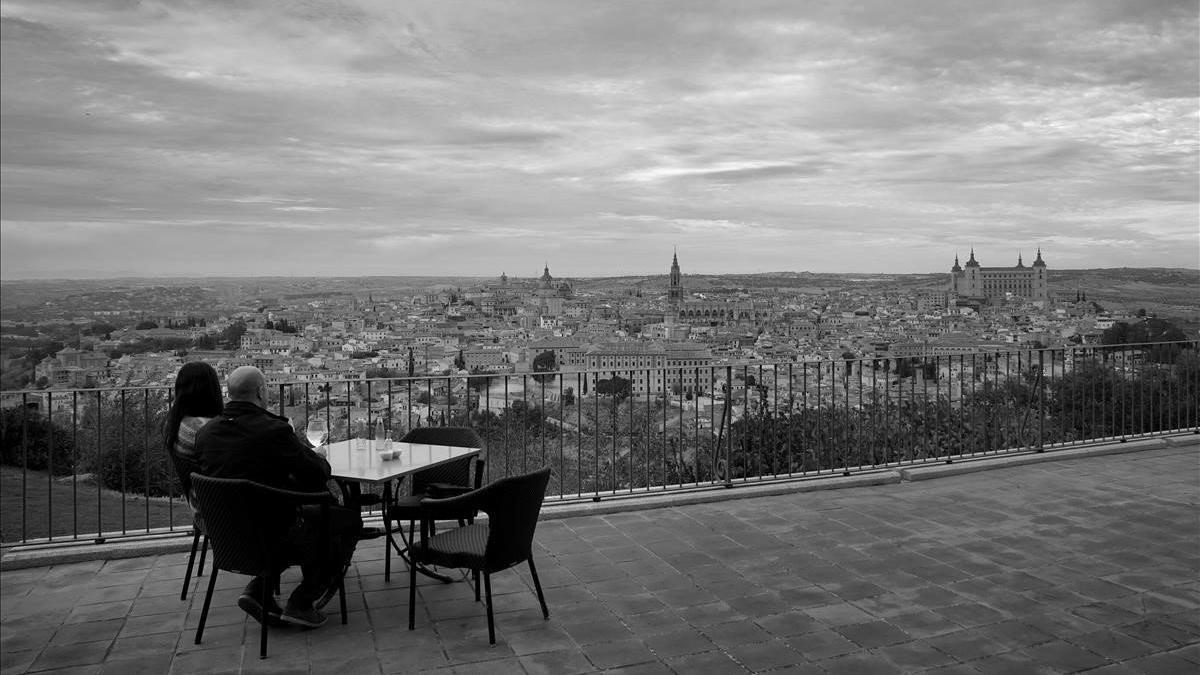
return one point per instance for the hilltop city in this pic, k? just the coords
(520, 325)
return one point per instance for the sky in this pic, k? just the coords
(598, 137)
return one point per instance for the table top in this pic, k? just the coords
(349, 461)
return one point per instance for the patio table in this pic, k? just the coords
(356, 462)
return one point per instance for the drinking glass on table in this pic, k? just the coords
(317, 431)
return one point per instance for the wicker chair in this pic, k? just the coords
(243, 519)
(512, 506)
(444, 480)
(184, 468)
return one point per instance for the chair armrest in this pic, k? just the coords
(300, 498)
(446, 490)
(431, 508)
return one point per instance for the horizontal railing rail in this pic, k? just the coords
(89, 464)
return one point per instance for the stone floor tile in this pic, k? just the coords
(99, 612)
(914, 656)
(651, 668)
(970, 614)
(18, 661)
(923, 624)
(73, 633)
(1160, 632)
(714, 661)
(1113, 645)
(562, 662)
(788, 624)
(1012, 663)
(968, 644)
(545, 639)
(839, 614)
(873, 634)
(822, 644)
(709, 614)
(765, 656)
(619, 653)
(653, 623)
(1064, 656)
(678, 643)
(864, 663)
(149, 664)
(144, 646)
(69, 655)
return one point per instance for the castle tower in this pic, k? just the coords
(675, 289)
(1041, 282)
(974, 278)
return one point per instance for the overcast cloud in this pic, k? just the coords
(377, 137)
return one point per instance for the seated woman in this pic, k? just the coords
(197, 400)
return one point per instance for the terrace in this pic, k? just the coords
(1059, 536)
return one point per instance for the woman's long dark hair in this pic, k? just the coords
(197, 394)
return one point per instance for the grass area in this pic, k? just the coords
(35, 506)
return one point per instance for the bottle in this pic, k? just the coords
(382, 442)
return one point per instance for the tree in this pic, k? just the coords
(145, 325)
(460, 362)
(231, 337)
(618, 388)
(542, 363)
(25, 438)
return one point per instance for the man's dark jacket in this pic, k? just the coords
(246, 441)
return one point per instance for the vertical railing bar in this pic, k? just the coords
(580, 379)
(75, 465)
(146, 456)
(49, 466)
(124, 494)
(523, 426)
(562, 430)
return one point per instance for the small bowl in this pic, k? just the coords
(384, 455)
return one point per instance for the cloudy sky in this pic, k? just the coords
(316, 137)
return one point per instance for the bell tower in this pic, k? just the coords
(675, 290)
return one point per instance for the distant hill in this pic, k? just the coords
(1169, 292)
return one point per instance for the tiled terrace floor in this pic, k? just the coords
(1088, 564)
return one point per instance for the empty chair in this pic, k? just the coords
(445, 480)
(243, 520)
(512, 506)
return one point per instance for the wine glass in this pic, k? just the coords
(317, 431)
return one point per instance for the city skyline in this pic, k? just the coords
(362, 139)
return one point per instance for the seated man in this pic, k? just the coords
(247, 441)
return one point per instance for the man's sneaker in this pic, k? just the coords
(250, 605)
(330, 590)
(307, 617)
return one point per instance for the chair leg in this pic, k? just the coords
(538, 585)
(487, 588)
(264, 582)
(412, 591)
(203, 553)
(476, 573)
(187, 576)
(212, 582)
(387, 545)
(342, 596)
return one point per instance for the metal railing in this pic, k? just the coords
(89, 465)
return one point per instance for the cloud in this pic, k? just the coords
(799, 135)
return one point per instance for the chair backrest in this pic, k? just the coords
(457, 472)
(513, 505)
(245, 521)
(185, 466)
